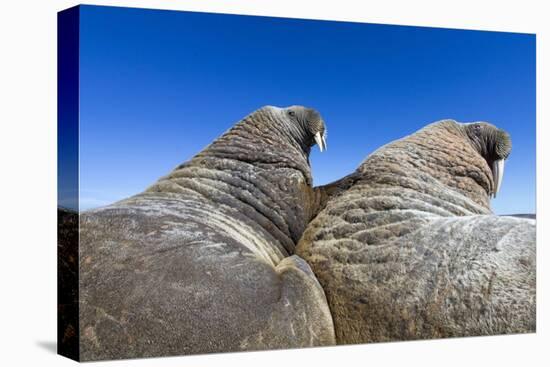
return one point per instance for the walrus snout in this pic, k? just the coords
(494, 145)
(317, 128)
(309, 125)
(502, 146)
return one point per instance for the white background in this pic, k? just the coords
(28, 182)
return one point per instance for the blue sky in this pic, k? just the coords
(158, 86)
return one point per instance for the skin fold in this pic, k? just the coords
(202, 261)
(407, 247)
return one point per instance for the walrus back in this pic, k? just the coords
(449, 277)
(167, 276)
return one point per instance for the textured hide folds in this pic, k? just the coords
(199, 262)
(408, 247)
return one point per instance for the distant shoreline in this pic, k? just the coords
(529, 216)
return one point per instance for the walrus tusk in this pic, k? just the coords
(321, 142)
(498, 172)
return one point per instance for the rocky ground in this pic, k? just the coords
(67, 282)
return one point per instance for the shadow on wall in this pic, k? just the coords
(49, 346)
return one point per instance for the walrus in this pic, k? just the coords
(407, 247)
(202, 261)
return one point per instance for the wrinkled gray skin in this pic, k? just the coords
(199, 262)
(407, 247)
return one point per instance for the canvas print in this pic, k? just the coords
(238, 183)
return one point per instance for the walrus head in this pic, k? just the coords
(493, 144)
(307, 126)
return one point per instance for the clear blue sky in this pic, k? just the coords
(158, 86)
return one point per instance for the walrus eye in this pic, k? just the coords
(477, 130)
